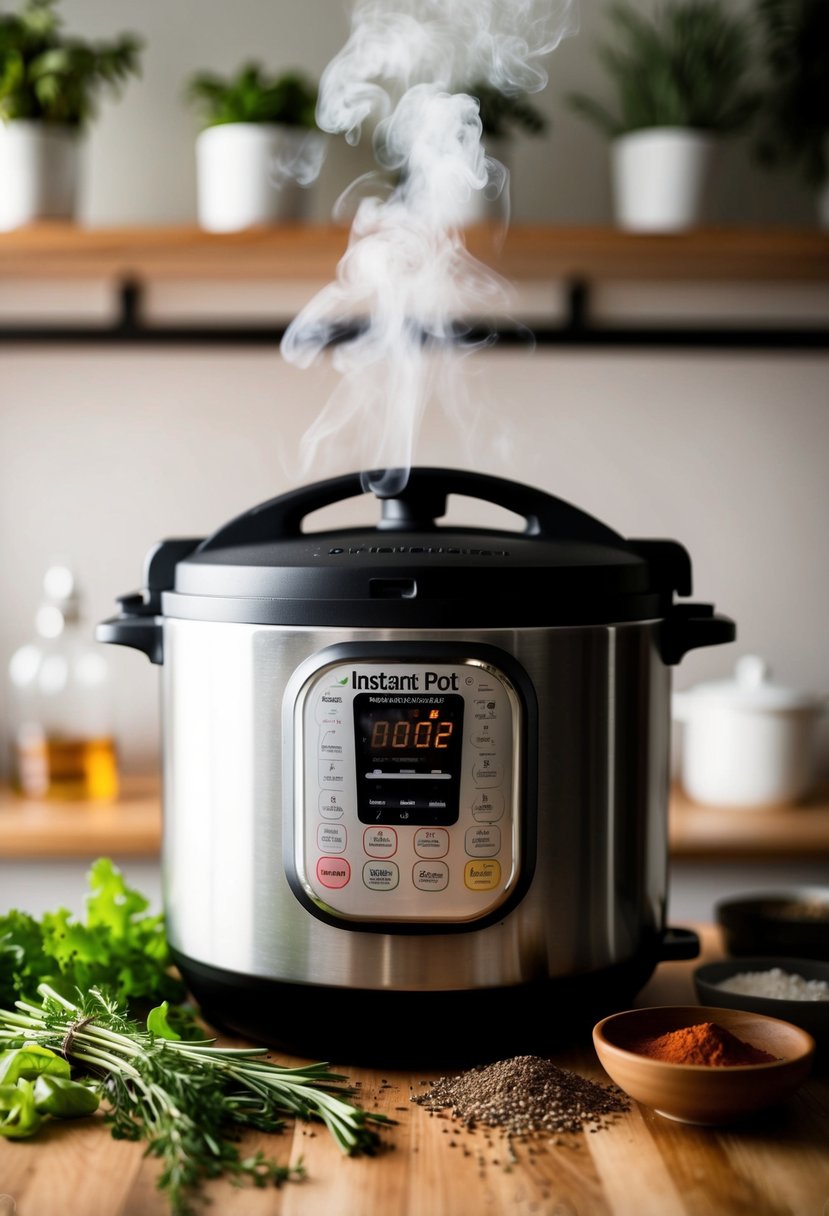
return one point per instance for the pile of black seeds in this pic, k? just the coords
(525, 1095)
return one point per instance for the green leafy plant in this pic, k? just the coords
(251, 95)
(49, 77)
(118, 946)
(689, 66)
(504, 113)
(794, 110)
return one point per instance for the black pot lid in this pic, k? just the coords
(408, 571)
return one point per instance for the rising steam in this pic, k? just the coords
(407, 275)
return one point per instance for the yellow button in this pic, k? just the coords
(482, 875)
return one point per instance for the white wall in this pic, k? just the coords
(102, 452)
(141, 164)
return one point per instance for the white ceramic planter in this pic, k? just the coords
(38, 172)
(249, 174)
(747, 742)
(660, 179)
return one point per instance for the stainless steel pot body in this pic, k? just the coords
(597, 893)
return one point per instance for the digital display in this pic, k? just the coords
(408, 751)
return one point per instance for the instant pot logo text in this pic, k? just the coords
(383, 681)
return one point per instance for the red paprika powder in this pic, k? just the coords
(706, 1043)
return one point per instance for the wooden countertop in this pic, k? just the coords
(132, 828)
(310, 251)
(773, 1165)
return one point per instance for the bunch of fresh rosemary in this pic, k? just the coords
(189, 1100)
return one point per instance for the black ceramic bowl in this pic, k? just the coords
(792, 923)
(808, 1015)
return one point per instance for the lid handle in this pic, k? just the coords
(416, 507)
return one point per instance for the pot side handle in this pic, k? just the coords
(690, 627)
(677, 944)
(139, 622)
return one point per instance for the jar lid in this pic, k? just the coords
(752, 687)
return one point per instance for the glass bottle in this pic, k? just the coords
(63, 744)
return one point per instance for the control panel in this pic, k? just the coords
(406, 790)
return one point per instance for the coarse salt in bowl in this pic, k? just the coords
(795, 989)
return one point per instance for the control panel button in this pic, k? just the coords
(482, 841)
(488, 806)
(482, 875)
(483, 735)
(380, 842)
(333, 872)
(332, 742)
(332, 772)
(332, 805)
(331, 838)
(381, 875)
(430, 875)
(484, 709)
(486, 770)
(431, 842)
(331, 705)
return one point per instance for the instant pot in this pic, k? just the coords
(415, 777)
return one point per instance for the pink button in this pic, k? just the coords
(333, 872)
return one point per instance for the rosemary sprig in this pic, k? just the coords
(189, 1100)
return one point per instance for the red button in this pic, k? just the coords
(333, 872)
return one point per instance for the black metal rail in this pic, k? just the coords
(576, 330)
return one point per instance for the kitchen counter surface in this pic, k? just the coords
(645, 1165)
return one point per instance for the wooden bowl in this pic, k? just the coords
(700, 1093)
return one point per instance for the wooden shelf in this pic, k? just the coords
(303, 251)
(132, 827)
(746, 834)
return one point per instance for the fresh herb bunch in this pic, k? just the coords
(49, 77)
(687, 67)
(188, 1100)
(504, 113)
(253, 96)
(118, 947)
(794, 111)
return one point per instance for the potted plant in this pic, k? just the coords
(259, 147)
(681, 81)
(48, 88)
(794, 109)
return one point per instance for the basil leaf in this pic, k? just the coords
(18, 1116)
(158, 1024)
(28, 1062)
(62, 1098)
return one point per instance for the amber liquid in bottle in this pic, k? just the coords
(68, 769)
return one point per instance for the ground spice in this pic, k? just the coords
(525, 1095)
(705, 1043)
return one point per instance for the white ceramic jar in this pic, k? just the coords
(747, 742)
